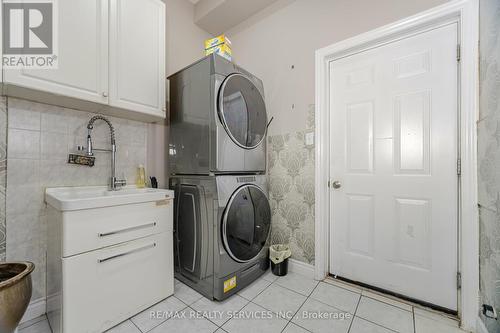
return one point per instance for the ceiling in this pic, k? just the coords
(218, 16)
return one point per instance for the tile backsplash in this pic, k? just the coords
(40, 137)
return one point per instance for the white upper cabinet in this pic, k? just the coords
(82, 37)
(137, 55)
(110, 52)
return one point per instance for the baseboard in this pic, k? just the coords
(480, 327)
(301, 268)
(35, 309)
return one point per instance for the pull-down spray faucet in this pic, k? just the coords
(114, 184)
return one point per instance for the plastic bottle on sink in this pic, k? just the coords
(140, 180)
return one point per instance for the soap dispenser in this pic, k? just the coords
(140, 181)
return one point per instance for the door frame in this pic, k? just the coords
(466, 14)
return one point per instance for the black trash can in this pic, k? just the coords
(280, 269)
(278, 255)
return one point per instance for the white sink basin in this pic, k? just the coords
(87, 197)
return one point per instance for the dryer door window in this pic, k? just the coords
(246, 223)
(242, 111)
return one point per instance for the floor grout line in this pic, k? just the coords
(354, 314)
(376, 324)
(301, 326)
(370, 321)
(317, 282)
(261, 291)
(48, 323)
(277, 312)
(138, 329)
(413, 318)
(188, 305)
(287, 324)
(38, 319)
(300, 307)
(329, 305)
(279, 285)
(207, 319)
(229, 319)
(165, 319)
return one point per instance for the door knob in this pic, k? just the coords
(336, 184)
(104, 94)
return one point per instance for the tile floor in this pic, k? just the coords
(273, 304)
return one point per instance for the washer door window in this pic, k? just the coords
(242, 111)
(246, 223)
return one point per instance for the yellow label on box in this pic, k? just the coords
(219, 49)
(229, 284)
(222, 50)
(222, 39)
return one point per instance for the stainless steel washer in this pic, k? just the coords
(221, 232)
(218, 119)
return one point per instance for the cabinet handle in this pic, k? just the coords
(116, 256)
(104, 94)
(148, 225)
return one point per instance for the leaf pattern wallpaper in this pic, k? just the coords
(291, 190)
(3, 174)
(489, 158)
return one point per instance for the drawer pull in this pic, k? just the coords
(127, 253)
(149, 225)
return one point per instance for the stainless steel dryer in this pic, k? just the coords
(218, 119)
(221, 232)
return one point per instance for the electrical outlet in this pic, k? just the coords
(309, 138)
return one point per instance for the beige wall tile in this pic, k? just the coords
(38, 159)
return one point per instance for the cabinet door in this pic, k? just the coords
(102, 288)
(137, 55)
(82, 54)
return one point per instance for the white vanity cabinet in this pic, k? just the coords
(111, 59)
(109, 262)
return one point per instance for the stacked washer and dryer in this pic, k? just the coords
(217, 164)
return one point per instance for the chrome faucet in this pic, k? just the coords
(114, 184)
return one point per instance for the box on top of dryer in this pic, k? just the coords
(220, 45)
(216, 41)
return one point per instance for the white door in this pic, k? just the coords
(394, 146)
(137, 55)
(82, 38)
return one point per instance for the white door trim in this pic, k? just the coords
(466, 13)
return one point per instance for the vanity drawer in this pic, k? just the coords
(104, 287)
(90, 229)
